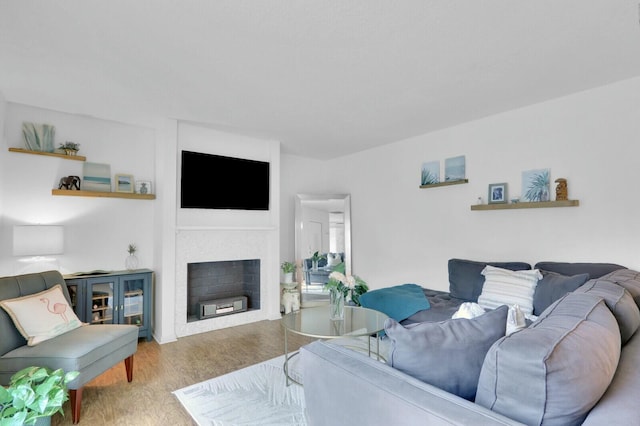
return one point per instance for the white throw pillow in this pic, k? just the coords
(506, 287)
(468, 310)
(333, 259)
(41, 316)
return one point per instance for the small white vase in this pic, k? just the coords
(287, 277)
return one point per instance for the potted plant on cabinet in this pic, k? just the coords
(288, 268)
(34, 395)
(315, 258)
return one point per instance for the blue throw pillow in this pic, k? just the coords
(398, 302)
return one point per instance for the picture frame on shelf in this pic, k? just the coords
(536, 185)
(124, 183)
(96, 177)
(430, 173)
(144, 187)
(497, 193)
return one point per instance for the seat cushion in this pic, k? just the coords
(447, 354)
(466, 279)
(556, 370)
(76, 350)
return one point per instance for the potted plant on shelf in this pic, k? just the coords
(315, 258)
(34, 395)
(70, 148)
(288, 268)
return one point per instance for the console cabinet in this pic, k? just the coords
(119, 297)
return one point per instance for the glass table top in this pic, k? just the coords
(315, 322)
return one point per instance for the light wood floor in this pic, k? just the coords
(161, 369)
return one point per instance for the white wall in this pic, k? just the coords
(97, 230)
(404, 234)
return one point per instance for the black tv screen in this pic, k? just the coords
(216, 182)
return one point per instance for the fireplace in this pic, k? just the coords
(227, 281)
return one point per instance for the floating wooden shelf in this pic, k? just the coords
(537, 205)
(50, 154)
(73, 193)
(455, 182)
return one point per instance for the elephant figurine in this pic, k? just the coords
(70, 182)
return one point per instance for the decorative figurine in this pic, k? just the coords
(70, 182)
(562, 193)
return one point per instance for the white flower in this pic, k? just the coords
(346, 280)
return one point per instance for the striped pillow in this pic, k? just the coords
(505, 287)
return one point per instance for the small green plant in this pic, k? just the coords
(288, 267)
(317, 256)
(34, 392)
(70, 146)
(132, 248)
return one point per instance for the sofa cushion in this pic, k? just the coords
(41, 316)
(628, 279)
(506, 287)
(553, 286)
(466, 279)
(556, 370)
(620, 302)
(595, 270)
(447, 354)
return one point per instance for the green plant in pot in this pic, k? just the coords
(33, 393)
(288, 268)
(315, 258)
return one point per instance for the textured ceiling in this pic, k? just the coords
(326, 78)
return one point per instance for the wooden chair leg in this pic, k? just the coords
(128, 365)
(75, 396)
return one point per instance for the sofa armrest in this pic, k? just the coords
(342, 386)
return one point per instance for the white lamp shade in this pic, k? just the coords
(38, 240)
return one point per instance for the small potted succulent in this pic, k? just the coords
(70, 148)
(34, 395)
(288, 268)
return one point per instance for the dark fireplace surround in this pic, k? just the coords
(222, 279)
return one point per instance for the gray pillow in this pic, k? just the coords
(556, 370)
(466, 279)
(447, 354)
(620, 302)
(552, 287)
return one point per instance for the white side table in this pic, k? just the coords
(289, 297)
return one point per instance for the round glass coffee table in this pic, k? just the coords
(315, 322)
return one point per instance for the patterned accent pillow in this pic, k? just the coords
(41, 316)
(505, 287)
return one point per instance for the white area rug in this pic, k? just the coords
(255, 395)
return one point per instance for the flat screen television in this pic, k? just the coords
(211, 181)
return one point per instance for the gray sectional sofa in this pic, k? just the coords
(577, 363)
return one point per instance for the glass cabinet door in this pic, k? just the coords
(133, 303)
(101, 301)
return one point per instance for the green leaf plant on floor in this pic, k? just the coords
(34, 392)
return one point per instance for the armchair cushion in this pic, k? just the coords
(41, 316)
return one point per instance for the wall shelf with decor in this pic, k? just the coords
(520, 205)
(130, 195)
(434, 185)
(49, 154)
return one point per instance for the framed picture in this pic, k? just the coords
(430, 173)
(454, 169)
(96, 177)
(497, 193)
(535, 185)
(143, 187)
(124, 183)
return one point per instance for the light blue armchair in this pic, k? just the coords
(89, 349)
